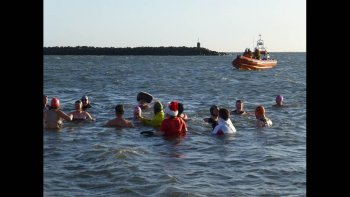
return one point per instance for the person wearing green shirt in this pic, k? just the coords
(158, 116)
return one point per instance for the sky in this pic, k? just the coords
(219, 25)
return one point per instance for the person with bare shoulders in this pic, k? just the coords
(119, 121)
(53, 118)
(261, 119)
(239, 108)
(279, 101)
(79, 114)
(158, 118)
(214, 114)
(181, 114)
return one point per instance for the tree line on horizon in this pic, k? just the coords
(85, 50)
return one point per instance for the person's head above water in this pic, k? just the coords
(84, 97)
(78, 105)
(214, 110)
(260, 111)
(137, 111)
(55, 103)
(157, 107)
(119, 110)
(172, 108)
(224, 114)
(181, 108)
(279, 99)
(85, 100)
(239, 104)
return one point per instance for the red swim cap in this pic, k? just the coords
(55, 103)
(260, 110)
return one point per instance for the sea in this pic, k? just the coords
(90, 159)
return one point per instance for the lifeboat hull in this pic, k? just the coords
(247, 63)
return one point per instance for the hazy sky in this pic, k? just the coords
(220, 25)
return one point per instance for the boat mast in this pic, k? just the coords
(260, 44)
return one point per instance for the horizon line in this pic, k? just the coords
(180, 46)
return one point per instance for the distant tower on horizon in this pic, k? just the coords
(198, 44)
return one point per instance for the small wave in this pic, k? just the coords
(125, 153)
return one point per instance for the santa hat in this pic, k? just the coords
(172, 108)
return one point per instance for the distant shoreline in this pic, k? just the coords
(159, 51)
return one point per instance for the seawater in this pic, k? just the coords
(89, 159)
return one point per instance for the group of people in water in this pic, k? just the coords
(170, 121)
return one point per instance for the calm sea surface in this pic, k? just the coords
(89, 159)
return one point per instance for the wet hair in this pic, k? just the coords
(239, 101)
(119, 110)
(180, 108)
(157, 107)
(212, 109)
(78, 101)
(224, 113)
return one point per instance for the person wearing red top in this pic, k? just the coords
(172, 125)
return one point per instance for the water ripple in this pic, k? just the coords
(89, 159)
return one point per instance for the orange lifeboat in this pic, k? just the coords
(259, 60)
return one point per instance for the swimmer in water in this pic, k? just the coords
(172, 125)
(279, 101)
(119, 121)
(86, 102)
(239, 108)
(181, 114)
(79, 114)
(261, 119)
(156, 121)
(53, 118)
(225, 125)
(214, 114)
